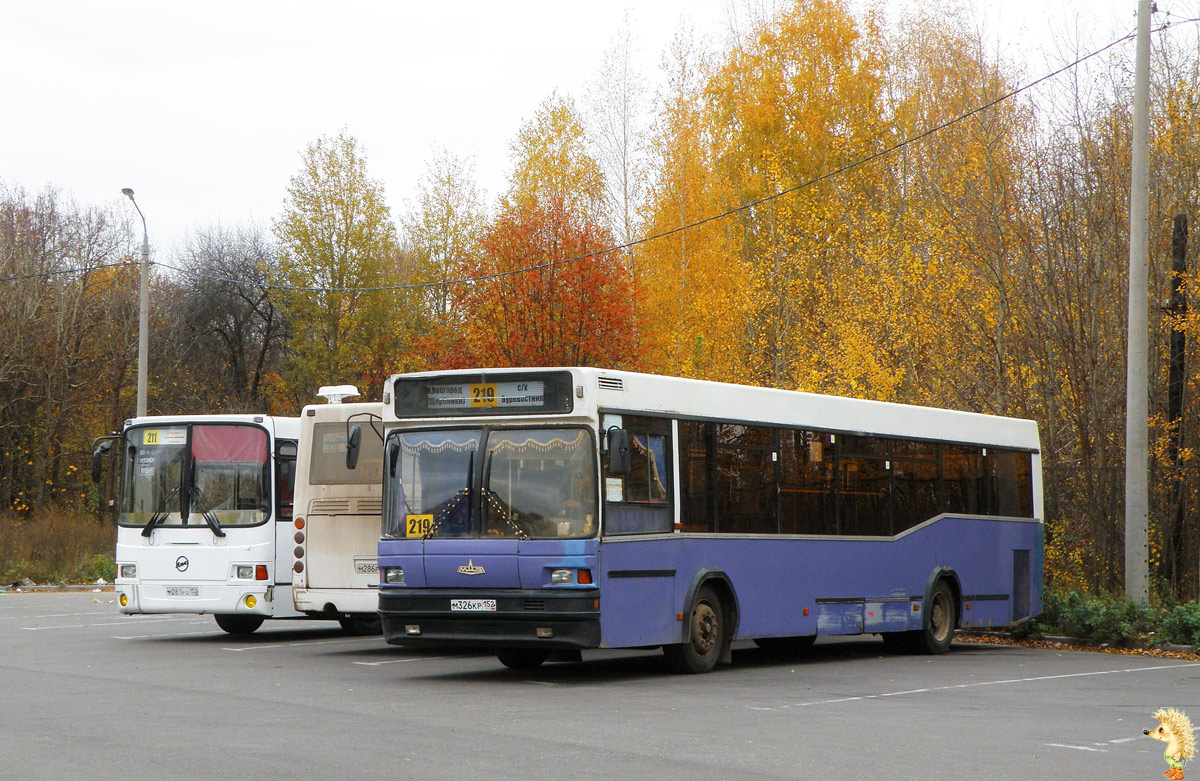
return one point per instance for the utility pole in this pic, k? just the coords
(1137, 451)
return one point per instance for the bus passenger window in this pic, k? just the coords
(640, 501)
(806, 483)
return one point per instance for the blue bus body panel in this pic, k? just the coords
(797, 586)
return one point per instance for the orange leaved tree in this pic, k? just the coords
(572, 313)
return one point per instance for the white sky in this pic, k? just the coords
(204, 108)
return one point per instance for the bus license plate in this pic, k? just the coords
(365, 567)
(183, 591)
(473, 605)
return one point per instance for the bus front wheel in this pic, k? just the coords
(706, 636)
(238, 624)
(522, 658)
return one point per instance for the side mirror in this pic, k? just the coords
(618, 451)
(353, 443)
(98, 459)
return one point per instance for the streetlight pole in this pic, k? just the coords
(143, 309)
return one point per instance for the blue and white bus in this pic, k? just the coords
(532, 510)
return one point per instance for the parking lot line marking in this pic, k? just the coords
(401, 661)
(122, 622)
(978, 684)
(1077, 748)
(51, 615)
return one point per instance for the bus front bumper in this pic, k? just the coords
(155, 598)
(491, 619)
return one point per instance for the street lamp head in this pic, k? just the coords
(127, 192)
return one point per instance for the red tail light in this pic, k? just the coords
(585, 576)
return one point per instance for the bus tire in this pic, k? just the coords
(706, 636)
(522, 658)
(940, 621)
(238, 624)
(360, 625)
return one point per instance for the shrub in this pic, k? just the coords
(56, 546)
(1182, 625)
(1105, 618)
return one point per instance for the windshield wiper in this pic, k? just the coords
(158, 516)
(209, 517)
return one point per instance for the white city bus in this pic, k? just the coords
(336, 525)
(204, 516)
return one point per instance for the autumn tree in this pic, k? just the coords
(691, 285)
(68, 315)
(573, 313)
(543, 295)
(336, 242)
(441, 234)
(232, 332)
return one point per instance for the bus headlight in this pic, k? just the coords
(393, 576)
(244, 571)
(129, 570)
(582, 576)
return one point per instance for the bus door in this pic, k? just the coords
(285, 486)
(639, 553)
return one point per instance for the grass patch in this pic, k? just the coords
(56, 547)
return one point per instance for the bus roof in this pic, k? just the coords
(633, 392)
(280, 426)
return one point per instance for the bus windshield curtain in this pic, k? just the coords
(229, 444)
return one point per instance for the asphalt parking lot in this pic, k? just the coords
(88, 692)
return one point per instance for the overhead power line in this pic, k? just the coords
(64, 272)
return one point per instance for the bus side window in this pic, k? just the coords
(285, 481)
(697, 465)
(806, 483)
(639, 502)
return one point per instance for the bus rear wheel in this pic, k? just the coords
(940, 622)
(937, 634)
(522, 658)
(706, 636)
(237, 624)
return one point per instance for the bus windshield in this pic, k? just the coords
(535, 483)
(202, 474)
